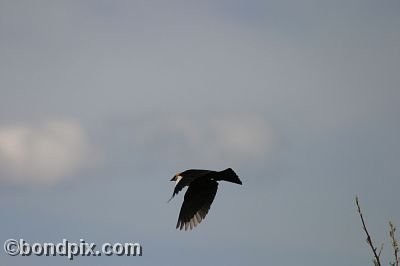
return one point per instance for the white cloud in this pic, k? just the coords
(43, 153)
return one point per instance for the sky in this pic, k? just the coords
(102, 102)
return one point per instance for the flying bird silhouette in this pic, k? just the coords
(203, 186)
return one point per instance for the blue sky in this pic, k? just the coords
(103, 102)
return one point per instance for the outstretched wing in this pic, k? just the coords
(197, 202)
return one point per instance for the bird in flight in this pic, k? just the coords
(203, 186)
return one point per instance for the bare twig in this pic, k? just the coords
(380, 250)
(395, 245)
(376, 260)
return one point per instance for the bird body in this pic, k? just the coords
(202, 187)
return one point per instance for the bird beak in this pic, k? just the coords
(174, 178)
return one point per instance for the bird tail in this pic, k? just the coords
(230, 176)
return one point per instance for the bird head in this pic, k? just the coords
(176, 177)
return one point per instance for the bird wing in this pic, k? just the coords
(197, 202)
(177, 188)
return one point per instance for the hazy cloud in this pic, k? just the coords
(42, 153)
(192, 141)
